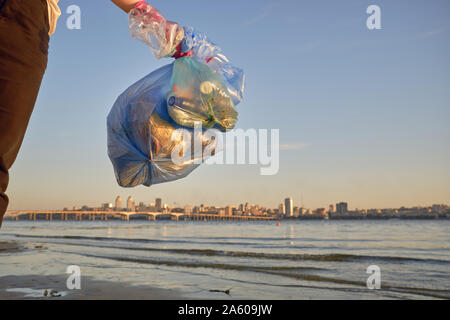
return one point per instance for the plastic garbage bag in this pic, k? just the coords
(140, 135)
(200, 87)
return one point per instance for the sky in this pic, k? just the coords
(363, 114)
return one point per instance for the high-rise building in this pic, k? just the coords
(281, 209)
(289, 207)
(130, 204)
(341, 207)
(331, 209)
(228, 211)
(158, 204)
(118, 202)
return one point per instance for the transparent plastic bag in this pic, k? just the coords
(197, 93)
(149, 26)
(206, 50)
(140, 135)
(200, 87)
(167, 39)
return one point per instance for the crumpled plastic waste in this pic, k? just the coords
(148, 25)
(200, 87)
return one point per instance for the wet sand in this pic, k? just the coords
(34, 287)
(14, 287)
(10, 247)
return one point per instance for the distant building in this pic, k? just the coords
(228, 211)
(255, 211)
(320, 211)
(158, 204)
(289, 207)
(331, 209)
(118, 202)
(438, 208)
(281, 209)
(141, 207)
(107, 205)
(341, 207)
(130, 204)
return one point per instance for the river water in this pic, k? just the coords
(256, 260)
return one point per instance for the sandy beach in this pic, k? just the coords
(35, 286)
(14, 287)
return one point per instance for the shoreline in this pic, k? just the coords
(33, 287)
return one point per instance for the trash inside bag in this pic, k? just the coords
(153, 133)
(197, 93)
(203, 48)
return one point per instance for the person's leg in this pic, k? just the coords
(23, 59)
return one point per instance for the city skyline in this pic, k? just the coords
(158, 210)
(363, 114)
(158, 204)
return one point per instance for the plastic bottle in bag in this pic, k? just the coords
(197, 93)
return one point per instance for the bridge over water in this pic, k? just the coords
(65, 215)
(85, 215)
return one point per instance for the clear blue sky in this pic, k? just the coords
(364, 114)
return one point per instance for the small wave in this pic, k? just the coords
(173, 263)
(330, 257)
(291, 272)
(133, 240)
